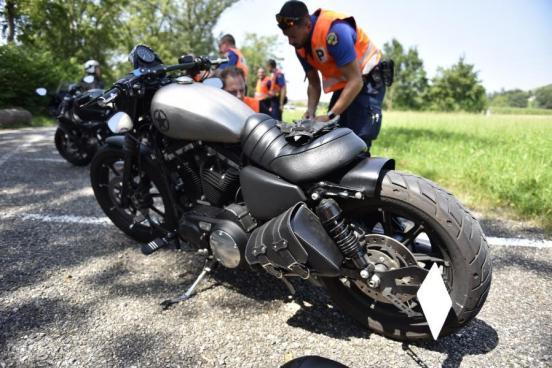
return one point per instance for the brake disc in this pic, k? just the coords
(387, 254)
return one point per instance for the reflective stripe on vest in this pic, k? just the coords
(367, 54)
(261, 90)
(241, 61)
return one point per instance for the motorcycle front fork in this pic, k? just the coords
(130, 149)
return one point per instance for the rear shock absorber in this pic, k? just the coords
(330, 214)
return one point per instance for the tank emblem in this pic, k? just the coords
(161, 120)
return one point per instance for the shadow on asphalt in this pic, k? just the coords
(313, 302)
(511, 258)
(476, 338)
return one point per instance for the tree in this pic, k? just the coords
(457, 89)
(513, 98)
(174, 27)
(257, 50)
(410, 86)
(543, 96)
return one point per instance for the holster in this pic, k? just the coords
(382, 74)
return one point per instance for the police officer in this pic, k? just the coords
(233, 82)
(262, 90)
(334, 45)
(277, 90)
(92, 78)
(227, 47)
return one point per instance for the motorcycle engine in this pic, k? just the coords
(220, 182)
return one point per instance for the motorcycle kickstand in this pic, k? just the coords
(210, 263)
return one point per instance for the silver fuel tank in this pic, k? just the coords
(199, 112)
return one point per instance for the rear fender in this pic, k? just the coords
(366, 176)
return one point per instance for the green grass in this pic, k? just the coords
(489, 162)
(36, 122)
(519, 111)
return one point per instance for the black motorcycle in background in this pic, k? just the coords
(81, 130)
(196, 166)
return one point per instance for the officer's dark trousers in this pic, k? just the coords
(275, 111)
(363, 116)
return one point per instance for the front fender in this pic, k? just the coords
(116, 141)
(366, 176)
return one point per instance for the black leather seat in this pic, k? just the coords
(264, 143)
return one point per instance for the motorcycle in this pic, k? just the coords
(198, 167)
(80, 130)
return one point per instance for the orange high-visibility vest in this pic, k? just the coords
(241, 61)
(252, 102)
(367, 54)
(275, 88)
(261, 90)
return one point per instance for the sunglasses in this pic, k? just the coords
(287, 22)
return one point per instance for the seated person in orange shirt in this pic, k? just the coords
(233, 82)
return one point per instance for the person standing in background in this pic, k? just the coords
(227, 47)
(277, 90)
(262, 90)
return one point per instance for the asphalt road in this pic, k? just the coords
(74, 291)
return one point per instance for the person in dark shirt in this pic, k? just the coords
(93, 76)
(332, 44)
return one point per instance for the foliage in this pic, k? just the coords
(23, 70)
(80, 29)
(457, 89)
(55, 37)
(174, 27)
(513, 98)
(519, 111)
(409, 89)
(543, 97)
(257, 50)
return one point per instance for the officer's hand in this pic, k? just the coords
(308, 115)
(322, 118)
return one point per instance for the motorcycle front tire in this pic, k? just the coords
(81, 157)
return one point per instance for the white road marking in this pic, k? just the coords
(517, 242)
(46, 159)
(32, 140)
(69, 219)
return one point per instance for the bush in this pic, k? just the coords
(543, 97)
(23, 70)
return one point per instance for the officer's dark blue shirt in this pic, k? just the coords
(232, 59)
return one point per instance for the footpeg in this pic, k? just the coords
(158, 243)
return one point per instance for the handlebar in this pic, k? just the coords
(201, 63)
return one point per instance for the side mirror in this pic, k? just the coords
(213, 82)
(88, 79)
(41, 91)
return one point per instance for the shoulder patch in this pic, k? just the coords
(331, 39)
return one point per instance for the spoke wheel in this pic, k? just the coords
(416, 215)
(149, 212)
(75, 151)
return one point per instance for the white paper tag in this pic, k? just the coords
(434, 300)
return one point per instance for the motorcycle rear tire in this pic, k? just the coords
(463, 240)
(99, 177)
(85, 154)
